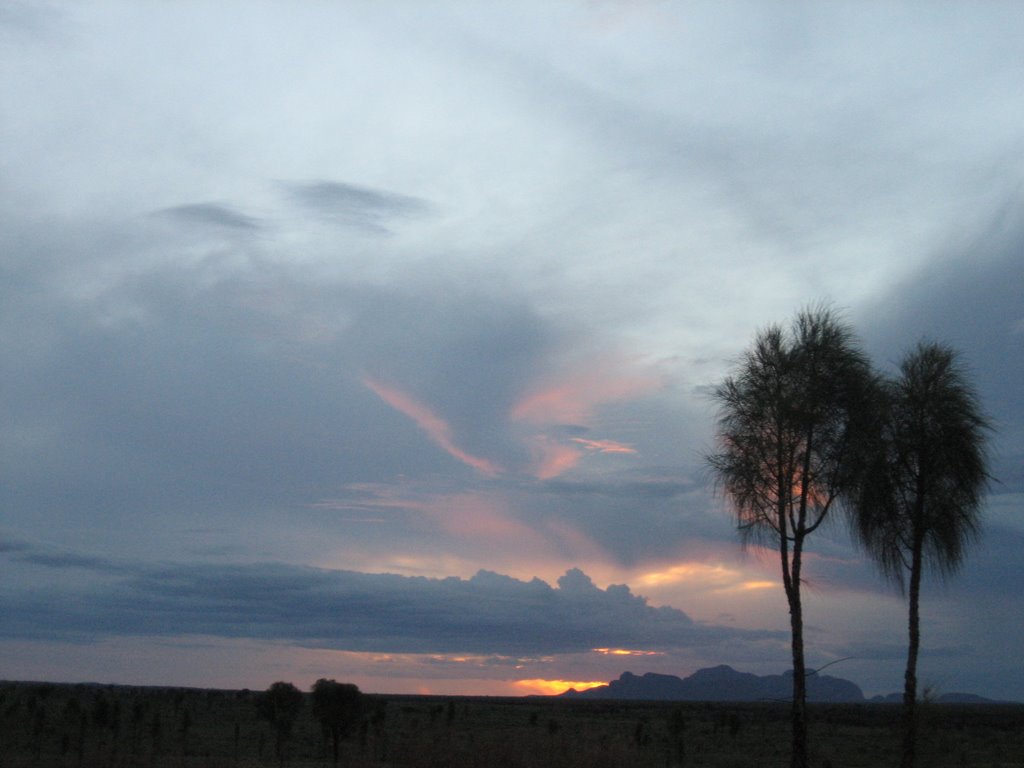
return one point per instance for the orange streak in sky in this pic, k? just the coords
(604, 446)
(749, 585)
(626, 652)
(437, 429)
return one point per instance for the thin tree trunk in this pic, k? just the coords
(799, 707)
(910, 677)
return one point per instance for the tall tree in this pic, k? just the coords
(339, 708)
(279, 705)
(792, 421)
(919, 503)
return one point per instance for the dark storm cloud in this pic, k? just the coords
(368, 209)
(998, 574)
(59, 559)
(489, 613)
(970, 296)
(211, 214)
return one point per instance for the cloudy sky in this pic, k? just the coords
(373, 340)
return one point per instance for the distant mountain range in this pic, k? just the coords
(723, 683)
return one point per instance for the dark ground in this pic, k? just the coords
(99, 726)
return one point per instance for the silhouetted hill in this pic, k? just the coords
(721, 683)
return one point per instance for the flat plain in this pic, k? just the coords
(104, 726)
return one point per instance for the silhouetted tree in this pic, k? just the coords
(184, 727)
(156, 734)
(339, 708)
(279, 705)
(791, 424)
(919, 503)
(137, 717)
(677, 736)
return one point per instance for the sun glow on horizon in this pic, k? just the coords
(554, 687)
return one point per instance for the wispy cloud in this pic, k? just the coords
(552, 457)
(604, 446)
(211, 214)
(50, 557)
(371, 210)
(436, 428)
(562, 408)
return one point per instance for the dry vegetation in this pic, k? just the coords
(92, 726)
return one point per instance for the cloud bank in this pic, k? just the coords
(344, 610)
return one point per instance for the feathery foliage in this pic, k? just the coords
(794, 423)
(930, 476)
(792, 419)
(918, 502)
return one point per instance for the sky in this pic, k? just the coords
(374, 341)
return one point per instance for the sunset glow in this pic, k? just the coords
(755, 585)
(703, 574)
(380, 342)
(478, 516)
(553, 687)
(626, 652)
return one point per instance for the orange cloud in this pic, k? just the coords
(713, 576)
(710, 577)
(746, 586)
(626, 652)
(437, 429)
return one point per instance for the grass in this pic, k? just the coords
(94, 726)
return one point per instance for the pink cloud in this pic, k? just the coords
(437, 429)
(604, 446)
(480, 516)
(573, 396)
(551, 457)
